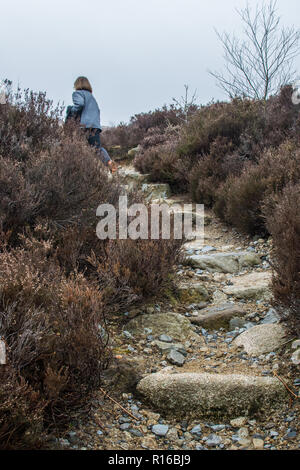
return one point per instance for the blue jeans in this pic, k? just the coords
(94, 141)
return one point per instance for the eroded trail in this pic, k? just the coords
(196, 370)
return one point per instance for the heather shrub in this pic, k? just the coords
(283, 223)
(51, 325)
(144, 129)
(57, 279)
(211, 170)
(281, 118)
(250, 126)
(55, 293)
(215, 144)
(29, 124)
(227, 120)
(63, 185)
(240, 199)
(21, 412)
(136, 269)
(164, 165)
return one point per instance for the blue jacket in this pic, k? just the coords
(85, 103)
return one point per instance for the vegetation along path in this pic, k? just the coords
(207, 367)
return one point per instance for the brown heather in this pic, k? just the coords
(58, 281)
(283, 222)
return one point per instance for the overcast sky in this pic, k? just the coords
(138, 54)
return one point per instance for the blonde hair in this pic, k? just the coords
(82, 83)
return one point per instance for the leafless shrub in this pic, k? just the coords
(260, 64)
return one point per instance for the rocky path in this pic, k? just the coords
(197, 370)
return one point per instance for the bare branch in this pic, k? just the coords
(262, 63)
(185, 103)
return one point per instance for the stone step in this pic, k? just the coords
(231, 262)
(156, 192)
(192, 292)
(132, 177)
(262, 339)
(211, 395)
(155, 324)
(218, 316)
(250, 286)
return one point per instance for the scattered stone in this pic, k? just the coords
(291, 435)
(135, 432)
(127, 334)
(125, 426)
(296, 344)
(213, 440)
(218, 427)
(258, 444)
(238, 422)
(196, 430)
(176, 358)
(261, 339)
(245, 443)
(166, 338)
(250, 286)
(271, 317)
(296, 357)
(172, 435)
(160, 429)
(148, 443)
(243, 433)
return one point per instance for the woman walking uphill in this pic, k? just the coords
(85, 106)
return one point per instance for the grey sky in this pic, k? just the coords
(138, 54)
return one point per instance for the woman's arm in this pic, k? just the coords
(78, 101)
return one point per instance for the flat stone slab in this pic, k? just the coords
(167, 347)
(156, 191)
(231, 262)
(250, 286)
(211, 395)
(156, 324)
(192, 292)
(218, 317)
(133, 152)
(132, 176)
(195, 245)
(261, 339)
